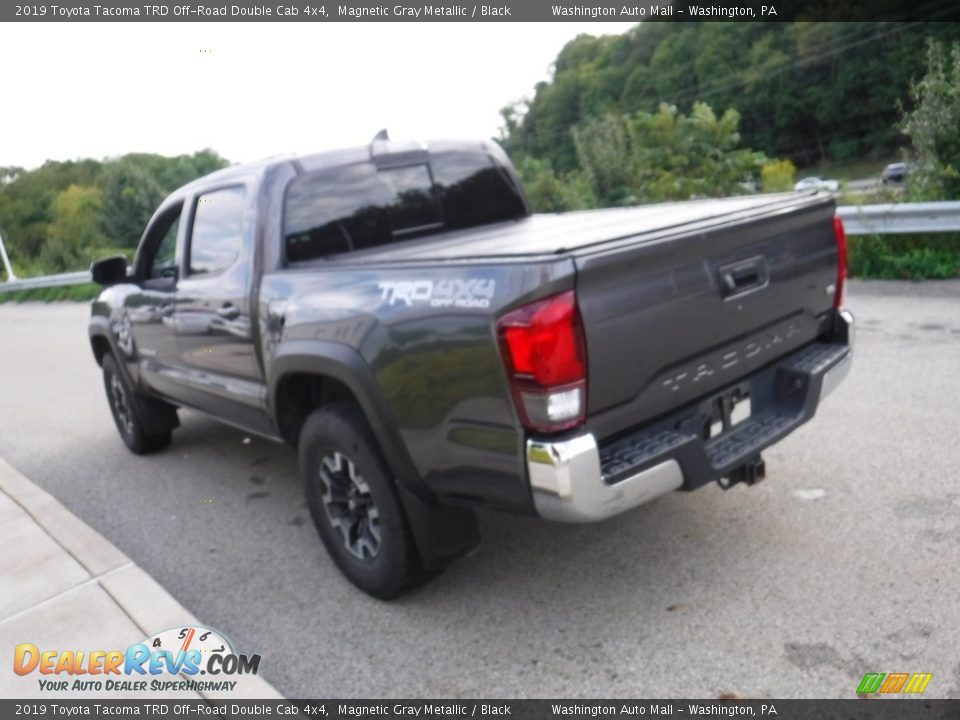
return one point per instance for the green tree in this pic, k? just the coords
(130, 195)
(26, 203)
(608, 156)
(811, 91)
(9, 174)
(73, 230)
(666, 155)
(46, 228)
(549, 192)
(933, 126)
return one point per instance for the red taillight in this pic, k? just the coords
(545, 355)
(842, 254)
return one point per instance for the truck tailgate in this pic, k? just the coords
(672, 315)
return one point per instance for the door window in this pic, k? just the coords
(217, 235)
(165, 261)
(159, 261)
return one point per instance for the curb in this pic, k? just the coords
(142, 599)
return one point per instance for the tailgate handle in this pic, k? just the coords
(743, 276)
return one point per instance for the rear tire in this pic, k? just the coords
(129, 408)
(354, 504)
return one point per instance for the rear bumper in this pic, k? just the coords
(575, 480)
(568, 483)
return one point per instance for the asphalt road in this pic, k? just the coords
(845, 561)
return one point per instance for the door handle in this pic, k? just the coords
(228, 311)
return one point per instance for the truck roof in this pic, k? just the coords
(309, 162)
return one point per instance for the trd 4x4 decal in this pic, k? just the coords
(469, 293)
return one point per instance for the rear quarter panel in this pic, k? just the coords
(427, 333)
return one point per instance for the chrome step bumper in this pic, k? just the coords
(574, 480)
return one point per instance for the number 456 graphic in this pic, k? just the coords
(913, 683)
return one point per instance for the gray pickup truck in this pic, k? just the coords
(397, 314)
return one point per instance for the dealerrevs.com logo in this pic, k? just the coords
(154, 664)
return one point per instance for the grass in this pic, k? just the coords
(76, 293)
(905, 257)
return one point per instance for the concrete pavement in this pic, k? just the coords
(65, 587)
(844, 561)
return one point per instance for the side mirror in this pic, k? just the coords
(109, 271)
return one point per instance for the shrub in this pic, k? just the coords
(778, 176)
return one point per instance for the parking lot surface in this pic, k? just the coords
(846, 560)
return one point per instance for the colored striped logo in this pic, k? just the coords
(894, 683)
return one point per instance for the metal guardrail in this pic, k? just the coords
(894, 218)
(46, 281)
(901, 218)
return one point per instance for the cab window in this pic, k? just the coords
(354, 207)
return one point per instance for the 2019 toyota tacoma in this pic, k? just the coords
(429, 346)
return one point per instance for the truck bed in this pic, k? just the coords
(661, 328)
(552, 234)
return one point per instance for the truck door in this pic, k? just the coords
(212, 313)
(145, 334)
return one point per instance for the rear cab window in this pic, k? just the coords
(354, 207)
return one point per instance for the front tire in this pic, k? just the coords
(128, 411)
(354, 504)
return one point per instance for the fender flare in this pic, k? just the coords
(442, 533)
(157, 416)
(345, 365)
(99, 327)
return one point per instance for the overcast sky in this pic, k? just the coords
(249, 90)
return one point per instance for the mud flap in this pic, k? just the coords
(157, 416)
(442, 534)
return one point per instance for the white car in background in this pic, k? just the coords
(815, 183)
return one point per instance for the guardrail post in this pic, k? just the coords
(6, 261)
